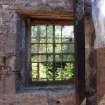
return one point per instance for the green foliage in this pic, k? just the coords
(67, 71)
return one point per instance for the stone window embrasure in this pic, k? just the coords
(52, 52)
(46, 48)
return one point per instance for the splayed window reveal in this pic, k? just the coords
(98, 15)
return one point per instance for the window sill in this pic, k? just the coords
(52, 83)
(44, 90)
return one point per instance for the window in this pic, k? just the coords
(52, 52)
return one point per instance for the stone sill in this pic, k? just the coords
(45, 90)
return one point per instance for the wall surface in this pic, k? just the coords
(101, 76)
(55, 95)
(95, 66)
(91, 62)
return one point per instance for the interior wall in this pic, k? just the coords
(99, 24)
(8, 55)
(11, 57)
(91, 62)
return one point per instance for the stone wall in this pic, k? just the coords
(95, 66)
(101, 76)
(91, 62)
(55, 95)
(8, 50)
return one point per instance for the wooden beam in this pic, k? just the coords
(52, 22)
(68, 15)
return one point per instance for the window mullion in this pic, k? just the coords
(61, 55)
(38, 48)
(53, 52)
(46, 53)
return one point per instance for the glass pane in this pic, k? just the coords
(58, 58)
(33, 40)
(34, 67)
(57, 48)
(50, 31)
(38, 58)
(42, 40)
(57, 34)
(49, 70)
(68, 58)
(39, 41)
(49, 40)
(68, 32)
(38, 71)
(42, 48)
(65, 48)
(33, 48)
(49, 48)
(68, 71)
(50, 58)
(38, 48)
(68, 48)
(39, 31)
(68, 40)
(33, 31)
(42, 31)
(58, 31)
(71, 48)
(58, 40)
(58, 70)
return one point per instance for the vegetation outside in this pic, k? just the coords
(52, 51)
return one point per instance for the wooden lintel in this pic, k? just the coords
(52, 22)
(68, 15)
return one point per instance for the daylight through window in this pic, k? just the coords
(52, 53)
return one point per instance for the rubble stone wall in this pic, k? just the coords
(8, 42)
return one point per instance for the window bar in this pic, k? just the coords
(38, 45)
(31, 53)
(53, 52)
(32, 37)
(61, 56)
(46, 55)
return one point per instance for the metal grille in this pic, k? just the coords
(52, 53)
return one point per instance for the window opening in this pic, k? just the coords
(52, 52)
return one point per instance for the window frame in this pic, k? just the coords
(70, 17)
(32, 22)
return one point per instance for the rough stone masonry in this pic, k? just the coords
(62, 95)
(51, 95)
